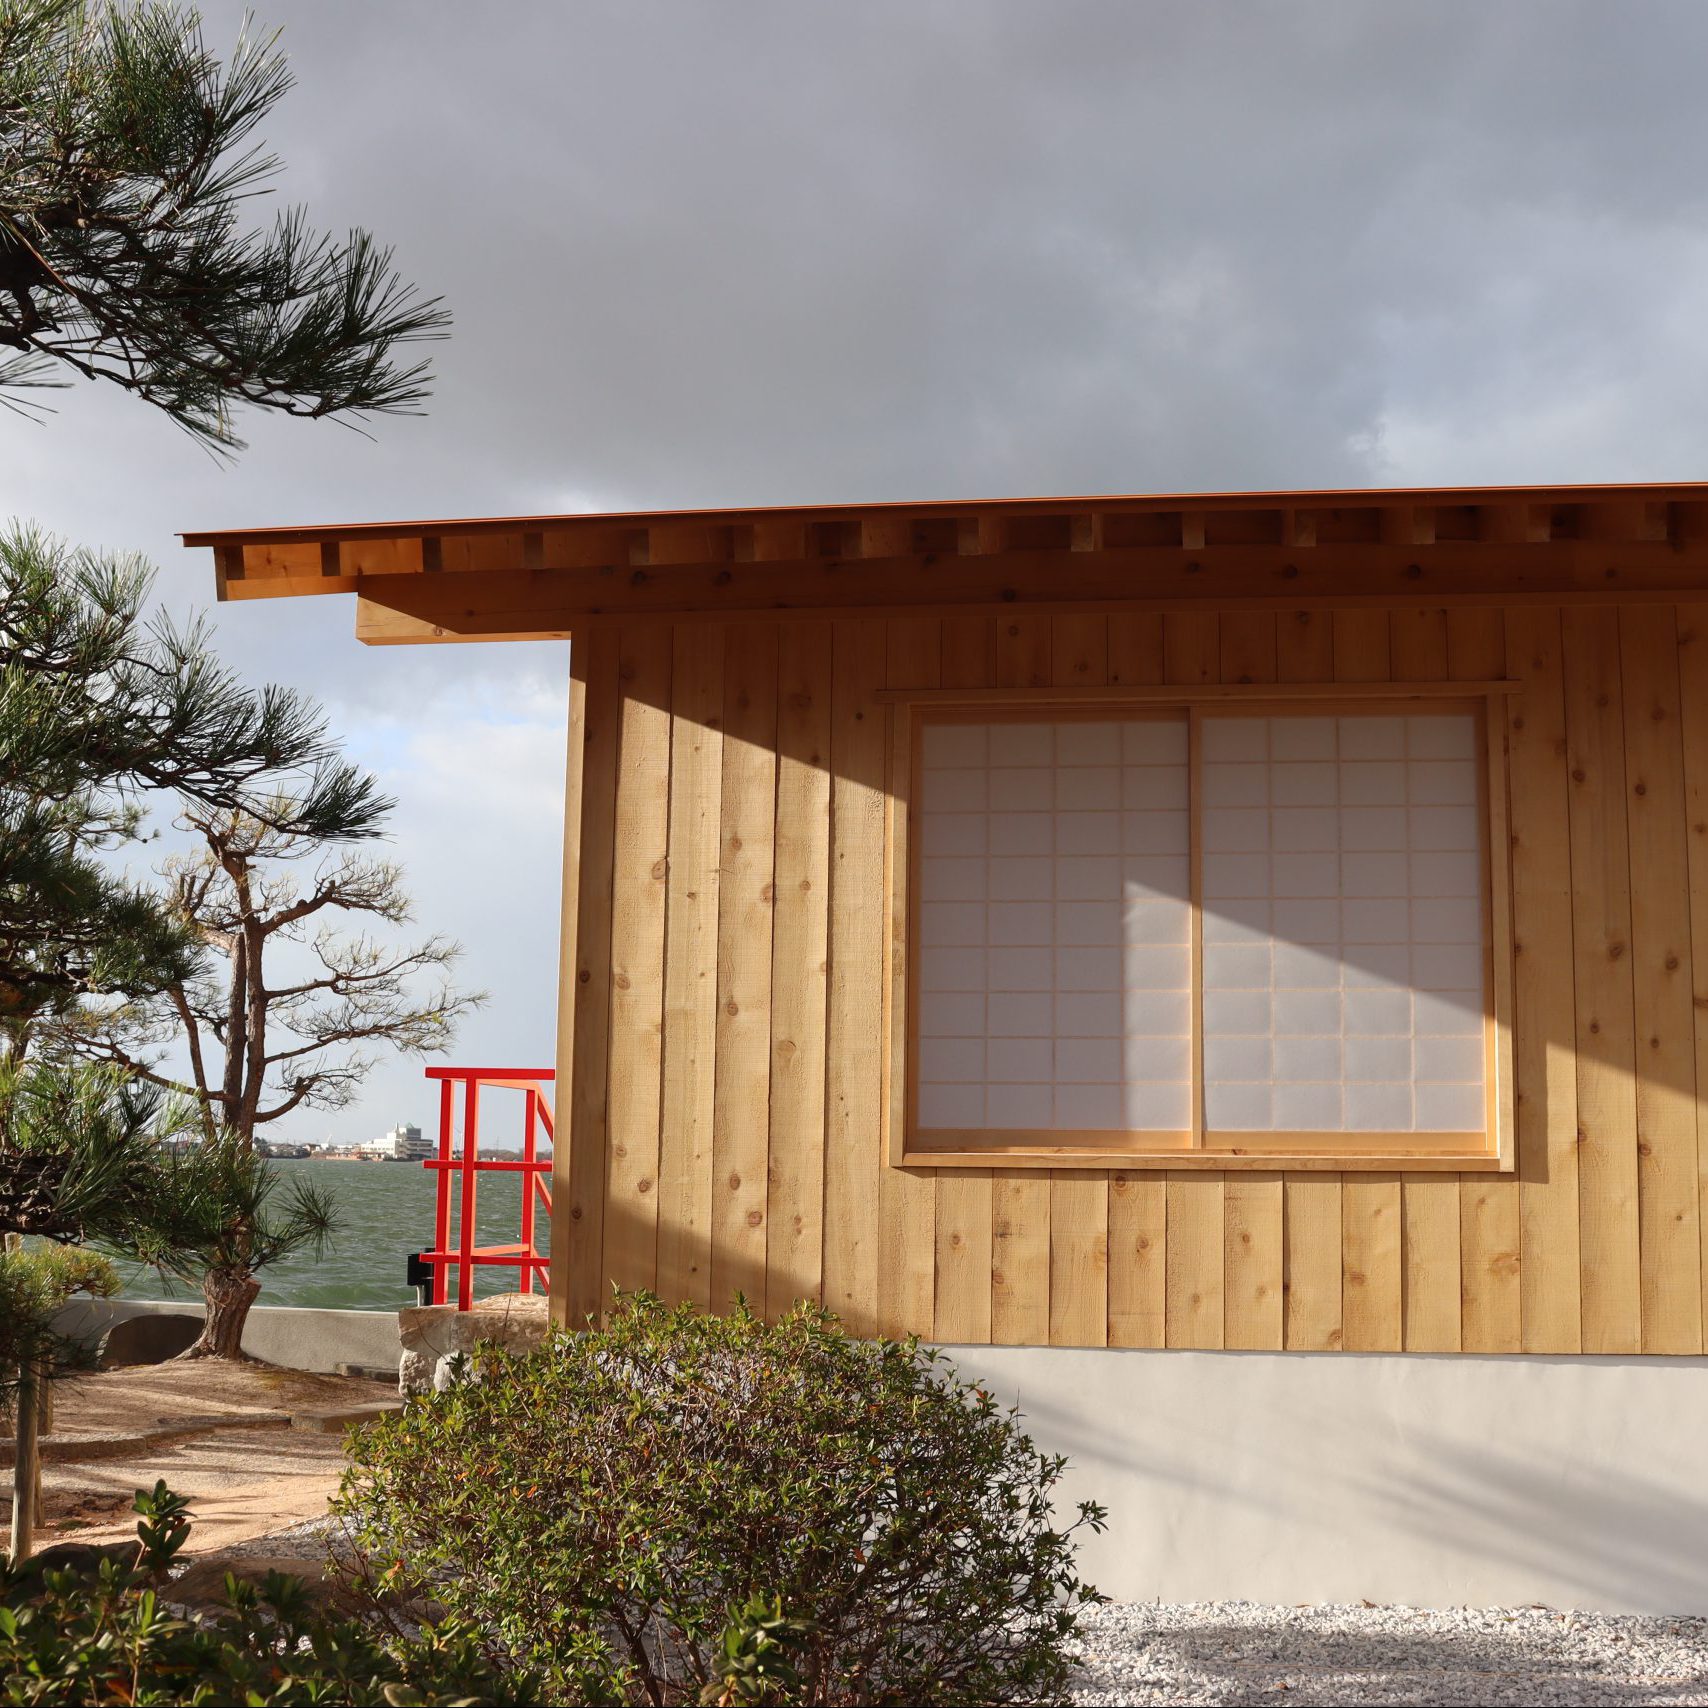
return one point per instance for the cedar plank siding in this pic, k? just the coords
(729, 981)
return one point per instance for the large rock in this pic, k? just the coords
(149, 1338)
(436, 1337)
(81, 1557)
(201, 1586)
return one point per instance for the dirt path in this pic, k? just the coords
(230, 1449)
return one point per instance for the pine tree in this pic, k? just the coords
(281, 1013)
(99, 704)
(126, 158)
(125, 162)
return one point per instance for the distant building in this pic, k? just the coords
(403, 1143)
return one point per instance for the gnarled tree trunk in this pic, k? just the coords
(229, 1294)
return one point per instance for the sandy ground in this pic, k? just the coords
(243, 1482)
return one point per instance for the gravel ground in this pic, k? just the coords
(1239, 1652)
(1243, 1652)
(304, 1541)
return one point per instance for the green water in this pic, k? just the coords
(385, 1211)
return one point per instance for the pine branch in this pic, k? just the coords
(125, 162)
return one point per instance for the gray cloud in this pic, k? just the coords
(797, 251)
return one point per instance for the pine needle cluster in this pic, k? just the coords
(126, 162)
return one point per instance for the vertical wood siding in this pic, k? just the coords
(728, 964)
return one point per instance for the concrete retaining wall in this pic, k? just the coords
(1429, 1481)
(282, 1334)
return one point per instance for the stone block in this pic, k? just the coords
(435, 1337)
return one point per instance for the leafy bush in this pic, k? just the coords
(36, 1281)
(106, 1637)
(610, 1508)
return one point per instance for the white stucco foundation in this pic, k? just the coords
(1429, 1481)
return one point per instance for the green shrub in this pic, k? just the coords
(105, 1637)
(611, 1506)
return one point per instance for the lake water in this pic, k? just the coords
(386, 1212)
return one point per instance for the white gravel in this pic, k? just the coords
(1240, 1652)
(304, 1541)
(1245, 1652)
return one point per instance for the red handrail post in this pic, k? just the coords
(442, 1206)
(471, 1144)
(526, 1272)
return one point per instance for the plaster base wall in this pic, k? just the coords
(1428, 1481)
(296, 1337)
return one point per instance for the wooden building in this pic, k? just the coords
(1269, 922)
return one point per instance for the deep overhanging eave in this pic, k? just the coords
(541, 576)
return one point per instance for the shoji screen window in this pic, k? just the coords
(1185, 932)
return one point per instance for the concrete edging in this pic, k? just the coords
(298, 1337)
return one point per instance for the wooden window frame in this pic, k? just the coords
(910, 710)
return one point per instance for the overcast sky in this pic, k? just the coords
(785, 252)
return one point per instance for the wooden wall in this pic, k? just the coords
(724, 989)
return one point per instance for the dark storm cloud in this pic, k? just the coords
(771, 252)
(746, 253)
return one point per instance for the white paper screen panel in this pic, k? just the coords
(1054, 988)
(1342, 923)
(1342, 949)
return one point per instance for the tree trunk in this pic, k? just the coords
(26, 1465)
(229, 1294)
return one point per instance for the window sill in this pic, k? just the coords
(1352, 1157)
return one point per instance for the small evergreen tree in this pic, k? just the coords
(84, 1157)
(281, 1012)
(125, 161)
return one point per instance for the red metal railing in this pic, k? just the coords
(461, 1169)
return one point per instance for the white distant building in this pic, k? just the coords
(403, 1143)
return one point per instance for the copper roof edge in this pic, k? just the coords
(1347, 497)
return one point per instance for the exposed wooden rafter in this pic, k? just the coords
(540, 576)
